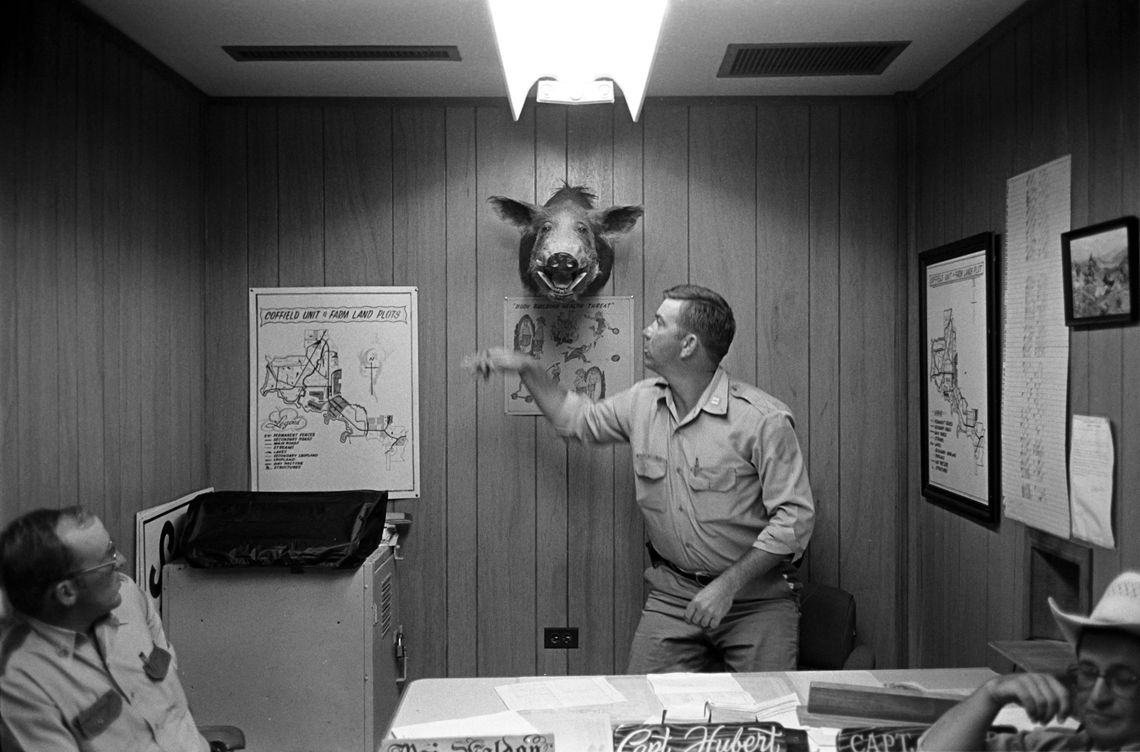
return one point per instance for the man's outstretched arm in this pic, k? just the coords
(547, 393)
(964, 726)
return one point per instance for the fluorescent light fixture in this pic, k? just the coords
(579, 45)
(553, 90)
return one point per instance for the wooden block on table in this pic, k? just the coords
(1039, 656)
(880, 703)
(813, 720)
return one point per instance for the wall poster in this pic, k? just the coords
(959, 340)
(334, 382)
(586, 346)
(1035, 356)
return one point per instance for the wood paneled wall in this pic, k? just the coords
(101, 261)
(793, 209)
(125, 333)
(136, 215)
(1059, 77)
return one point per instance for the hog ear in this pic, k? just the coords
(518, 213)
(618, 219)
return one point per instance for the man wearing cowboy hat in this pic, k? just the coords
(1102, 690)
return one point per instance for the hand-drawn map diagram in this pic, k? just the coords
(957, 399)
(586, 346)
(334, 403)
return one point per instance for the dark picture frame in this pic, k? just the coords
(1099, 263)
(960, 362)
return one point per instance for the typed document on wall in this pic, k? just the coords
(1035, 357)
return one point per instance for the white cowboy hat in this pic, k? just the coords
(1118, 608)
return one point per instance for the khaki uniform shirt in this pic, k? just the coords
(60, 690)
(711, 484)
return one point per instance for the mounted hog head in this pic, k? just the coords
(566, 252)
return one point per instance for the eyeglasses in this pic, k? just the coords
(114, 561)
(1121, 681)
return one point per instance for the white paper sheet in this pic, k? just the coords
(571, 692)
(687, 682)
(576, 730)
(506, 723)
(780, 710)
(1091, 459)
(821, 738)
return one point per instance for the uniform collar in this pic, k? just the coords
(713, 400)
(62, 641)
(65, 641)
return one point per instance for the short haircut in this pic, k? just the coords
(33, 558)
(707, 315)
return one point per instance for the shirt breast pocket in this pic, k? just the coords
(651, 495)
(713, 494)
(649, 467)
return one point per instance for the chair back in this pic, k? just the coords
(7, 616)
(827, 627)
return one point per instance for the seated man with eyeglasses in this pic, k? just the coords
(1099, 691)
(85, 665)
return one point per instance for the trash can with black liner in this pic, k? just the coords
(283, 611)
(293, 529)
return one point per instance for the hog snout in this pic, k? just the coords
(562, 275)
(562, 266)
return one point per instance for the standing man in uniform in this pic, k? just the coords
(721, 482)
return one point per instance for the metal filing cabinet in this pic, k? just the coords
(300, 662)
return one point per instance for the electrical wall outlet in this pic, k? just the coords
(560, 638)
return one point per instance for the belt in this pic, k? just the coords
(700, 578)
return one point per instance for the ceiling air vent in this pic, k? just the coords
(824, 59)
(313, 52)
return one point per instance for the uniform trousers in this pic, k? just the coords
(760, 634)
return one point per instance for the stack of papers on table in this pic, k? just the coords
(551, 694)
(684, 696)
(507, 723)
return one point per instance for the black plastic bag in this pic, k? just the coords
(331, 529)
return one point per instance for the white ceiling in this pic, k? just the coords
(188, 36)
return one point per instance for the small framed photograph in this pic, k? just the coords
(1100, 273)
(958, 310)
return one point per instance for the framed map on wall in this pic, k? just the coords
(958, 342)
(334, 389)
